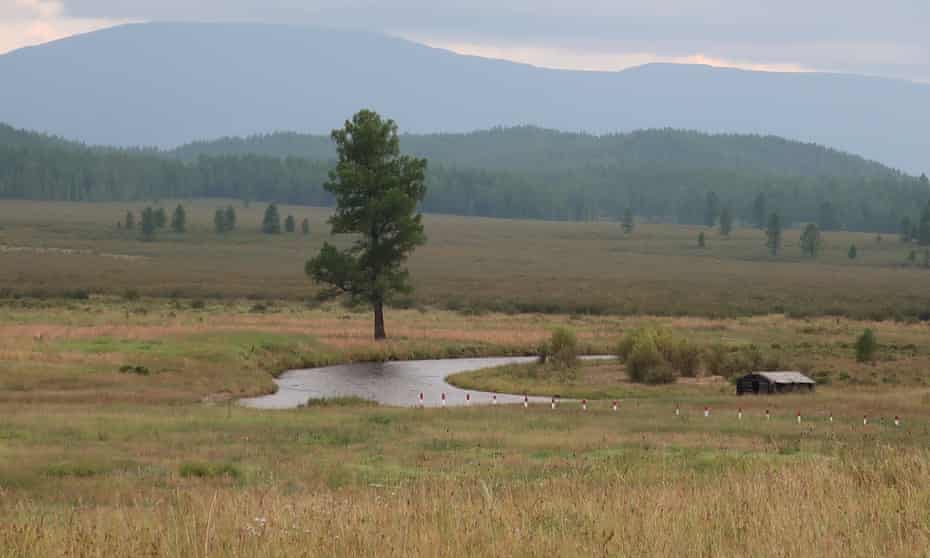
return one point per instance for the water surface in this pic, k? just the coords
(389, 383)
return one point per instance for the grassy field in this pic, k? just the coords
(49, 249)
(119, 436)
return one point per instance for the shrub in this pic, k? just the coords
(662, 374)
(644, 357)
(563, 348)
(138, 370)
(210, 470)
(683, 356)
(866, 345)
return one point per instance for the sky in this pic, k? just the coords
(889, 38)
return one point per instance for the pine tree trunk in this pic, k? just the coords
(379, 321)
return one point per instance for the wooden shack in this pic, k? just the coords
(768, 383)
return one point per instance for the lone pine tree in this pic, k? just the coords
(377, 192)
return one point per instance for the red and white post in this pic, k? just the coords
(768, 415)
(494, 400)
(526, 401)
(467, 399)
(897, 420)
(739, 414)
(799, 417)
(422, 404)
(584, 404)
(443, 399)
(706, 412)
(616, 406)
(865, 420)
(553, 403)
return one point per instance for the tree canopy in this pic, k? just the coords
(377, 191)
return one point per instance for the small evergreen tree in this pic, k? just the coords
(811, 240)
(290, 225)
(906, 230)
(627, 222)
(866, 345)
(179, 220)
(149, 224)
(219, 221)
(726, 221)
(305, 226)
(711, 209)
(853, 253)
(758, 210)
(701, 242)
(230, 217)
(773, 234)
(161, 218)
(271, 224)
(130, 220)
(923, 229)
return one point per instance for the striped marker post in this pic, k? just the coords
(865, 420)
(897, 420)
(615, 406)
(443, 399)
(526, 401)
(467, 399)
(768, 415)
(831, 417)
(799, 417)
(494, 400)
(421, 400)
(706, 411)
(584, 404)
(553, 403)
(739, 414)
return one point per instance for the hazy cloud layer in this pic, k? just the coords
(860, 36)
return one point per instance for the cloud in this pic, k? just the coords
(31, 22)
(857, 36)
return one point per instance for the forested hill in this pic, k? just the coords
(516, 173)
(531, 148)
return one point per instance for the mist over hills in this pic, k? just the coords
(168, 84)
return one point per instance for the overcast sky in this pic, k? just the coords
(875, 37)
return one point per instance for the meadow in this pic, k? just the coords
(65, 249)
(121, 361)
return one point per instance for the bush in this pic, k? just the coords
(561, 350)
(210, 470)
(662, 374)
(728, 362)
(683, 356)
(644, 357)
(866, 345)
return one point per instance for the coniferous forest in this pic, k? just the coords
(526, 172)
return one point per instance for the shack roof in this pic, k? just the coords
(785, 377)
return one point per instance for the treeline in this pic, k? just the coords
(531, 148)
(551, 185)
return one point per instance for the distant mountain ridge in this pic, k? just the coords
(169, 84)
(526, 148)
